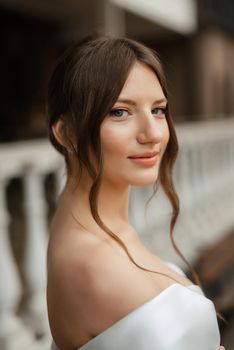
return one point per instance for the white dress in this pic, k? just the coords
(179, 318)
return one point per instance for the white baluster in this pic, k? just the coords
(35, 313)
(187, 226)
(202, 215)
(205, 184)
(13, 333)
(60, 180)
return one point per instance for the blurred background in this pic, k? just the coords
(195, 40)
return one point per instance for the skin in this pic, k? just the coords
(79, 249)
(141, 128)
(135, 127)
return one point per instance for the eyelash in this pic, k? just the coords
(163, 110)
(113, 111)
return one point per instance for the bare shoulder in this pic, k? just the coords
(89, 289)
(68, 256)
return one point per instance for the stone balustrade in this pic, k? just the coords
(204, 179)
(29, 329)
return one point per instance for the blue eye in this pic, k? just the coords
(160, 110)
(119, 112)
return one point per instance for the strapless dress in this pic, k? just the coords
(179, 318)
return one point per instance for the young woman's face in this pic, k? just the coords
(135, 133)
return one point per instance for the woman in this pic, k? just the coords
(109, 117)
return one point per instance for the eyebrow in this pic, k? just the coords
(131, 102)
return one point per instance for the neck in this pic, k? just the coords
(112, 204)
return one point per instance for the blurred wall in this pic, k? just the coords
(198, 63)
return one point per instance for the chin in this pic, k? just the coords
(144, 181)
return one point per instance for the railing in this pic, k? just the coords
(204, 178)
(31, 161)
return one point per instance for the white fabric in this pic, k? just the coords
(179, 318)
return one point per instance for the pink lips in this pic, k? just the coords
(147, 159)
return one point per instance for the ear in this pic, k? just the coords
(58, 129)
(62, 133)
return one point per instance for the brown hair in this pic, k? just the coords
(84, 86)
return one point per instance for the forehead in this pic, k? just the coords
(142, 81)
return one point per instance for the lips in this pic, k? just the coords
(145, 160)
(144, 155)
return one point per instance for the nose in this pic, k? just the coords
(150, 130)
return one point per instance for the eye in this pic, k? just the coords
(160, 111)
(118, 112)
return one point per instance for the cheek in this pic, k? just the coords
(166, 136)
(114, 140)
